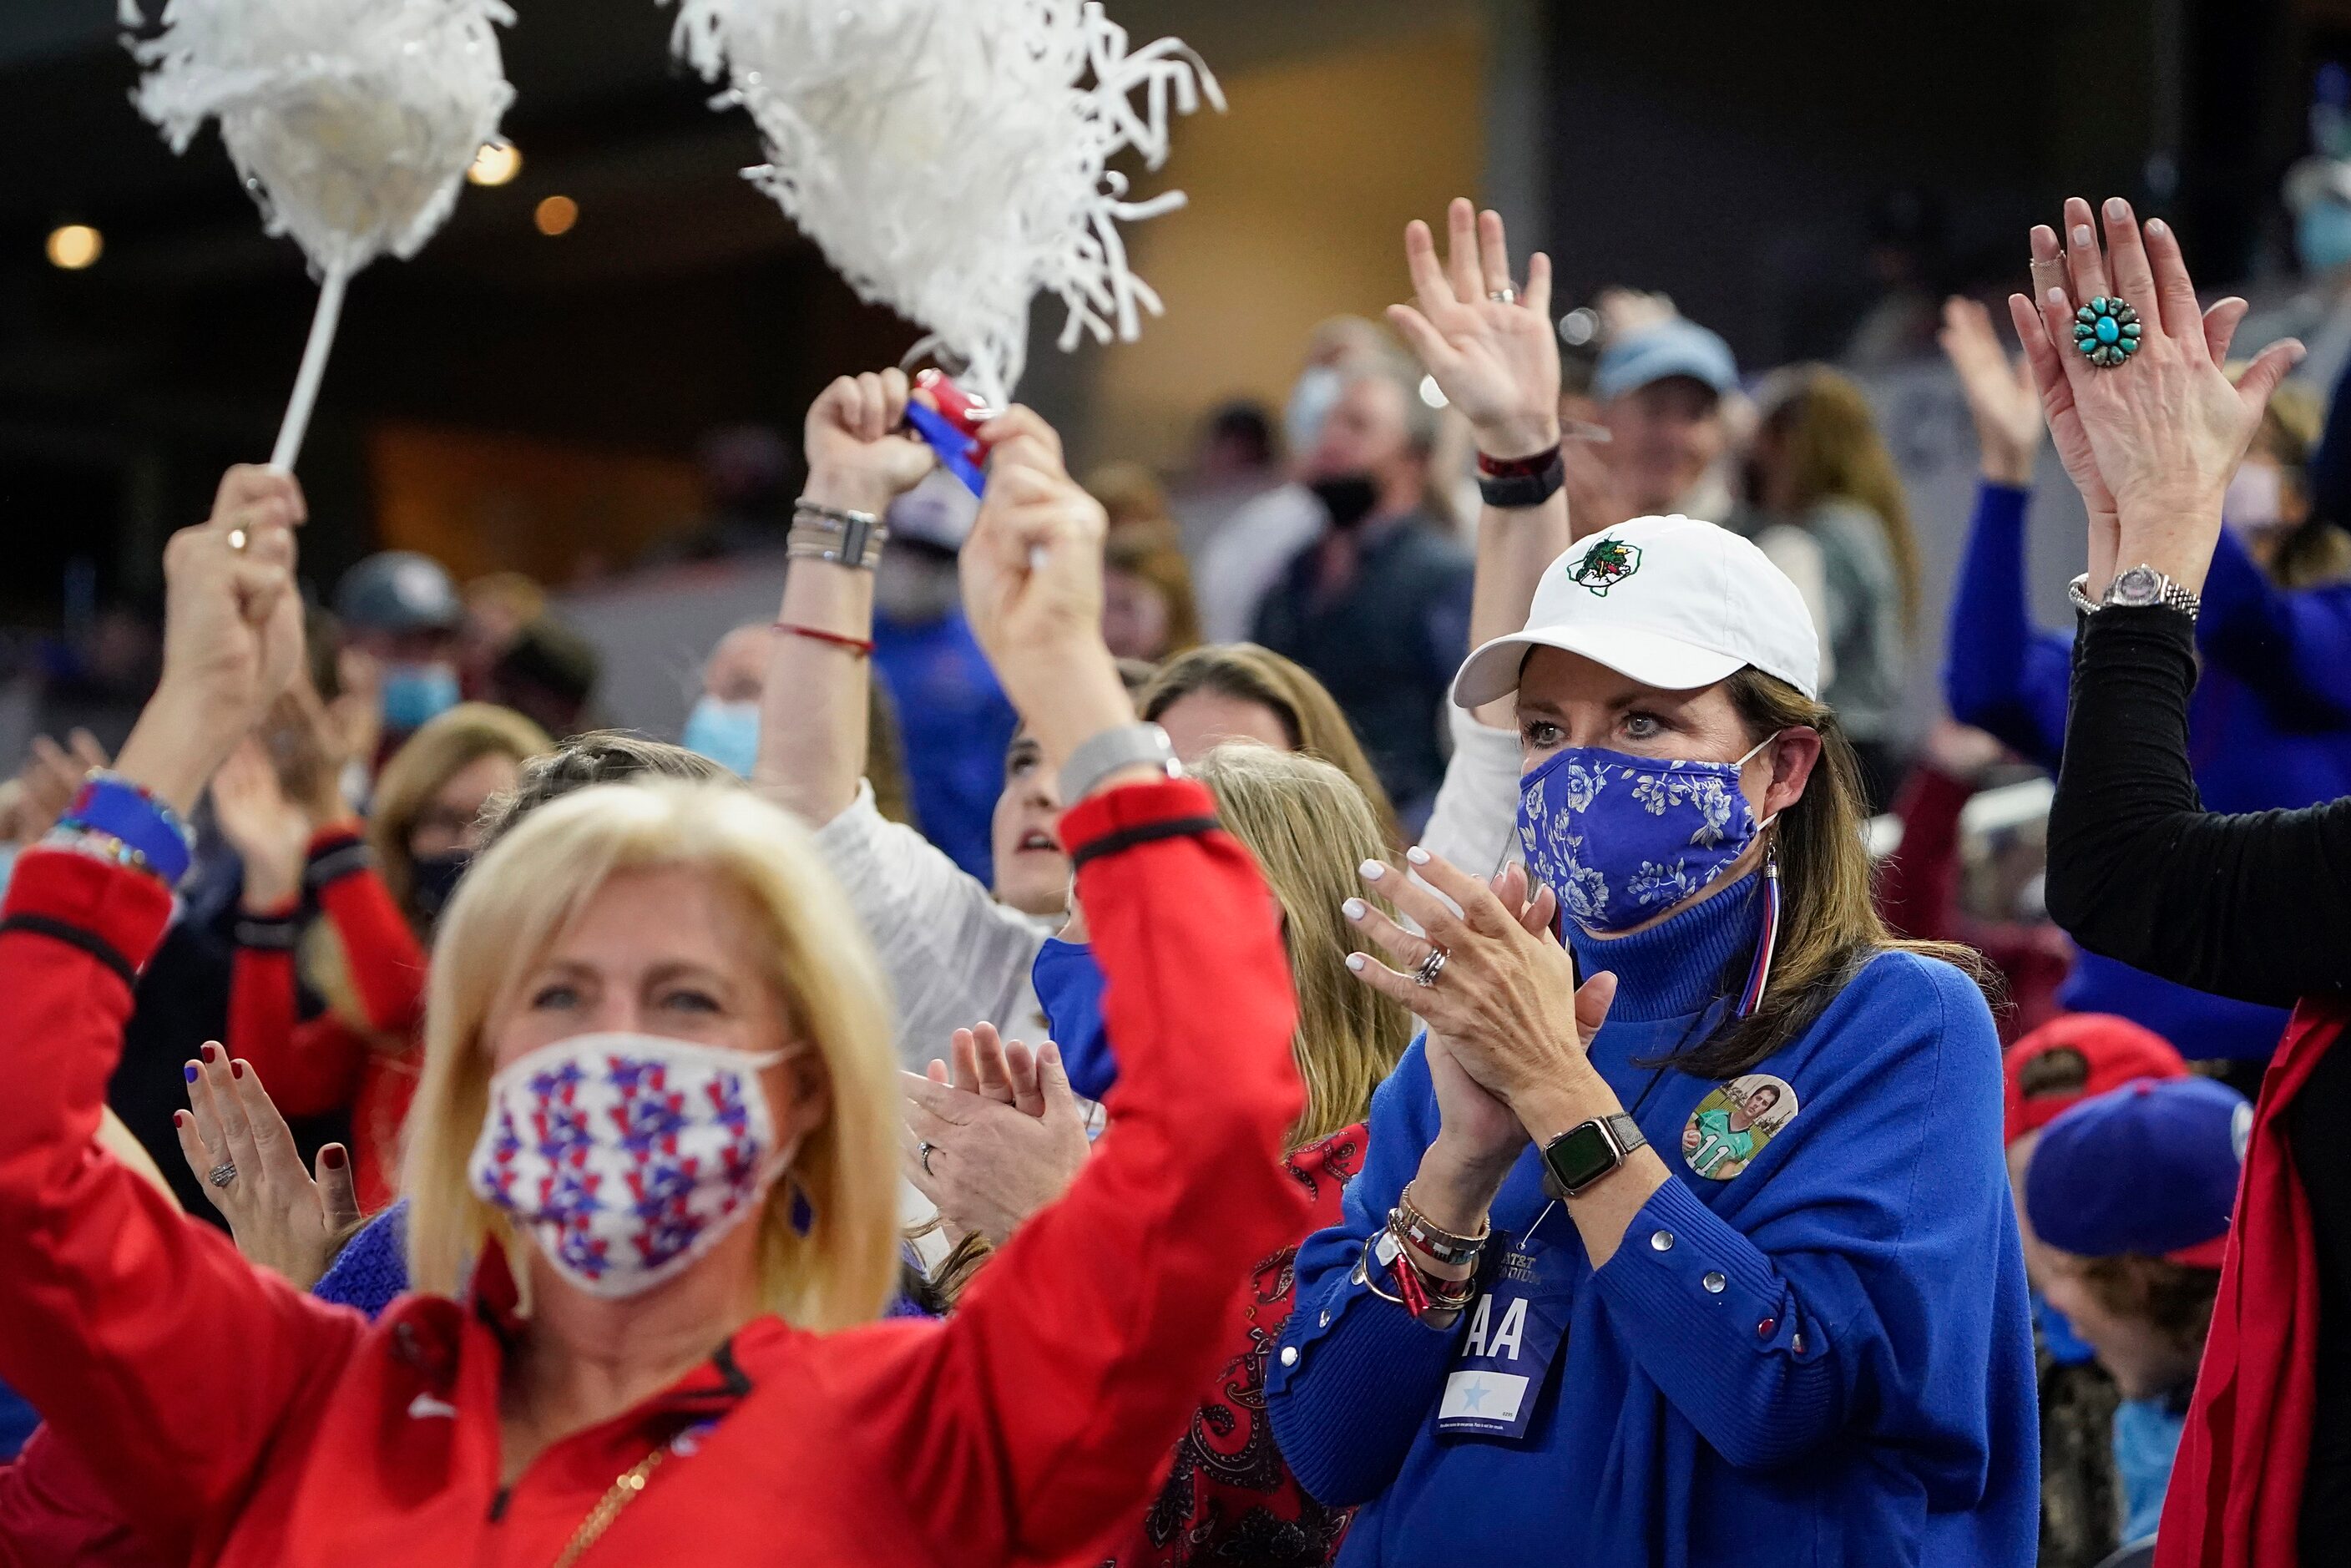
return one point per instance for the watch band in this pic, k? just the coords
(829, 533)
(1127, 746)
(2077, 593)
(1519, 487)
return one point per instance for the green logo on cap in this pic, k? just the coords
(1607, 563)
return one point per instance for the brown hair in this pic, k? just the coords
(1152, 555)
(2174, 1299)
(1310, 715)
(599, 757)
(1829, 441)
(1829, 924)
(1131, 497)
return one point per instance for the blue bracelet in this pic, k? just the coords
(112, 805)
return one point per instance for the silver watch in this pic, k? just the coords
(1128, 745)
(2140, 587)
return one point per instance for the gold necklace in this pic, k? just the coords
(617, 1496)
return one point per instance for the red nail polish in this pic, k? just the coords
(236, 1069)
(212, 1053)
(332, 1156)
(179, 1118)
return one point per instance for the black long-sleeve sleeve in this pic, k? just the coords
(2255, 907)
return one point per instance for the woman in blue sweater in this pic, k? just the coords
(1711, 1259)
(2271, 724)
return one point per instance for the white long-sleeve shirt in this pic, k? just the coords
(955, 957)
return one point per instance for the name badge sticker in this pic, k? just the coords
(1514, 1333)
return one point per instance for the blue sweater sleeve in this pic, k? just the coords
(1356, 1378)
(2003, 673)
(1827, 1301)
(2293, 647)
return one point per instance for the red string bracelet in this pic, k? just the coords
(861, 646)
(1517, 467)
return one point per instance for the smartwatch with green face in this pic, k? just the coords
(1582, 1154)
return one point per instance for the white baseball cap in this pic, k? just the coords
(1670, 602)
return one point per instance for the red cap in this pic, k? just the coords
(2115, 1050)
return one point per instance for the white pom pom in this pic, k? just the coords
(352, 121)
(951, 156)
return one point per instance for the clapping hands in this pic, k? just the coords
(995, 1134)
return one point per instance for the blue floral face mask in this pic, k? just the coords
(1623, 838)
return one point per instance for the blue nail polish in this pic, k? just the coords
(192, 1071)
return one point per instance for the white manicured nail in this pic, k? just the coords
(1356, 961)
(1353, 909)
(1372, 870)
(2057, 296)
(2118, 209)
(2082, 235)
(1416, 855)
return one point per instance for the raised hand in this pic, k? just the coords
(51, 777)
(857, 459)
(2166, 429)
(232, 634)
(270, 833)
(1032, 585)
(280, 1216)
(1490, 346)
(2001, 398)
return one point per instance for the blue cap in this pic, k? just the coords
(1673, 347)
(2149, 1168)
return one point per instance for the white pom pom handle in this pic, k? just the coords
(323, 321)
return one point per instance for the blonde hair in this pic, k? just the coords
(1310, 715)
(519, 899)
(1310, 827)
(442, 747)
(1834, 452)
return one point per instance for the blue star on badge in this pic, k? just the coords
(1473, 1393)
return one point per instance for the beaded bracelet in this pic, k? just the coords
(114, 808)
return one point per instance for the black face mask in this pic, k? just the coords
(436, 881)
(1349, 499)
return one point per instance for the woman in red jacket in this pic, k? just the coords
(632, 1369)
(380, 888)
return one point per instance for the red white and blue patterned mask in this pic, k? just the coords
(627, 1157)
(1621, 839)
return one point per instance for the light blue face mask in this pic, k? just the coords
(2322, 237)
(2146, 1439)
(727, 733)
(1311, 402)
(415, 694)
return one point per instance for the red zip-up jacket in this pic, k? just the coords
(324, 1065)
(243, 1422)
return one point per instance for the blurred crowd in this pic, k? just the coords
(1293, 610)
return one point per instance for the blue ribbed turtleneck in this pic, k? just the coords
(1676, 968)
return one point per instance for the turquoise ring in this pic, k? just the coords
(2106, 332)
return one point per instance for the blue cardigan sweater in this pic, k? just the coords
(1827, 1358)
(2270, 727)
